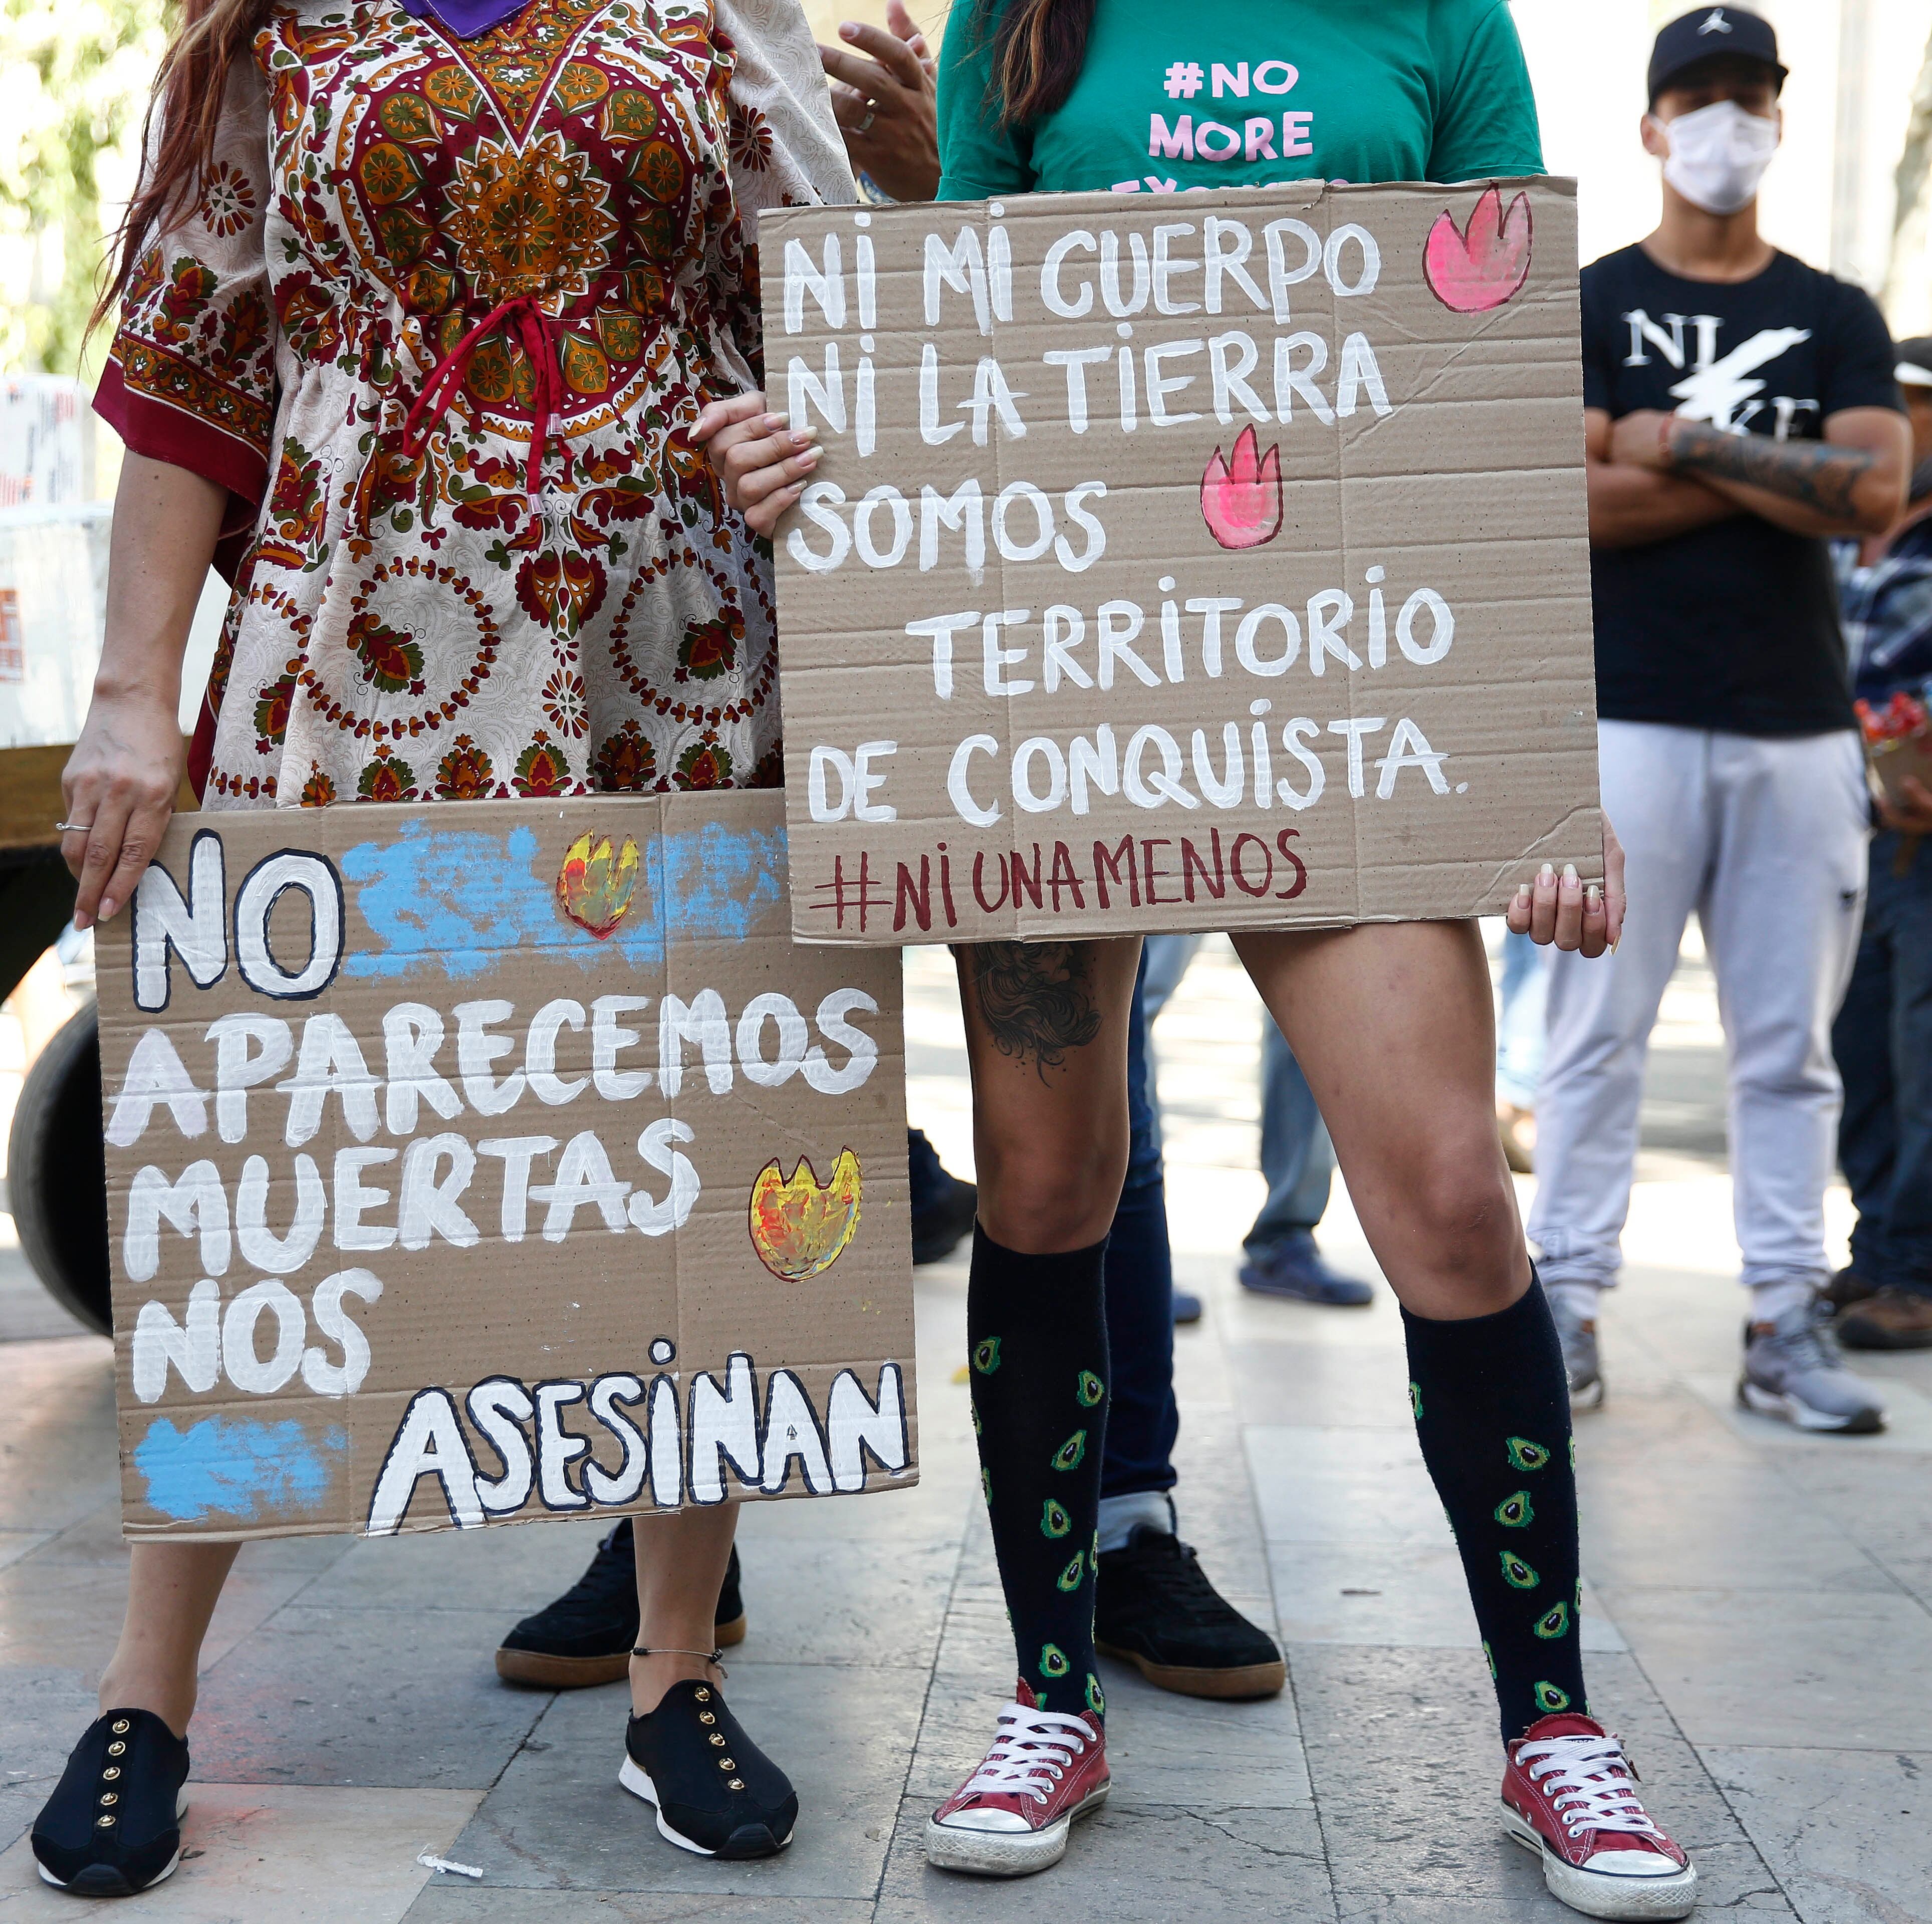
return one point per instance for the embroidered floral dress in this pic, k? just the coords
(441, 323)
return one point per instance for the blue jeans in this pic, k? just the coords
(1882, 1040)
(1142, 1420)
(1297, 1158)
(1523, 1028)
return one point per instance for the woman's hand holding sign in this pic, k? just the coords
(119, 784)
(1562, 909)
(763, 465)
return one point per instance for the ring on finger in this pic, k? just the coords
(864, 126)
(73, 827)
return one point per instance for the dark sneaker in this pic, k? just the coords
(716, 1793)
(943, 1206)
(112, 1826)
(1791, 1369)
(1845, 1289)
(1889, 1319)
(1187, 1306)
(1153, 1607)
(1294, 1268)
(585, 1636)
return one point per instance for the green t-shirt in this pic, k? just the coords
(1179, 93)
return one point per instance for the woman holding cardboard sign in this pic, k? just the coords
(1391, 1023)
(418, 302)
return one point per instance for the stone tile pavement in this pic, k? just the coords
(1758, 1614)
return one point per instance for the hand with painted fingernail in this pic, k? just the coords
(762, 462)
(1584, 917)
(1598, 941)
(1569, 931)
(1539, 916)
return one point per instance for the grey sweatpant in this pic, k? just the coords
(1764, 838)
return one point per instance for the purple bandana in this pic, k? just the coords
(466, 18)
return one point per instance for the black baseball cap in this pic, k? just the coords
(1914, 368)
(1707, 32)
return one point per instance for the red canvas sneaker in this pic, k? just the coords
(1570, 1794)
(1011, 1817)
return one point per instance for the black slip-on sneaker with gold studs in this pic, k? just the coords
(112, 1826)
(716, 1793)
(584, 1636)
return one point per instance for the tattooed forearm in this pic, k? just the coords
(1823, 478)
(1036, 998)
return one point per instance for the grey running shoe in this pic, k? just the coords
(1578, 1335)
(1791, 1369)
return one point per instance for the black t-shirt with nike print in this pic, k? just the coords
(1733, 626)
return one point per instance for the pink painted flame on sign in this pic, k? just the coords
(1473, 269)
(1241, 504)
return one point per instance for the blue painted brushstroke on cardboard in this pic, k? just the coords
(462, 901)
(233, 1467)
(715, 884)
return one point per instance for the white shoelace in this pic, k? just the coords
(1031, 1752)
(1589, 1784)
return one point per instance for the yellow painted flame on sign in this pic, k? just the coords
(594, 886)
(799, 1227)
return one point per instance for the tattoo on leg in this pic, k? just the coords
(1036, 998)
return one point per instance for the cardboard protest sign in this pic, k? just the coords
(1214, 561)
(466, 1165)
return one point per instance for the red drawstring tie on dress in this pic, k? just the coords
(532, 327)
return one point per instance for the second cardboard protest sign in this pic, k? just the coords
(472, 1164)
(1190, 562)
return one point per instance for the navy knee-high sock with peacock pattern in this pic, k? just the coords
(1036, 1328)
(1492, 1413)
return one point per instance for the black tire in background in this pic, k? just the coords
(57, 1172)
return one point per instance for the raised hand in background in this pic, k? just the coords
(885, 104)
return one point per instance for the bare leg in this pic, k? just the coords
(1392, 1024)
(172, 1589)
(681, 1561)
(1046, 1026)
(1046, 1037)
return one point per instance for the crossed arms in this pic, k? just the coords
(1651, 475)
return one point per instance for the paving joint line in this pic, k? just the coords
(924, 1708)
(1744, 1829)
(1288, 1663)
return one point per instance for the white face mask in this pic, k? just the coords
(1718, 155)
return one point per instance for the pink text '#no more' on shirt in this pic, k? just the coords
(1246, 95)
